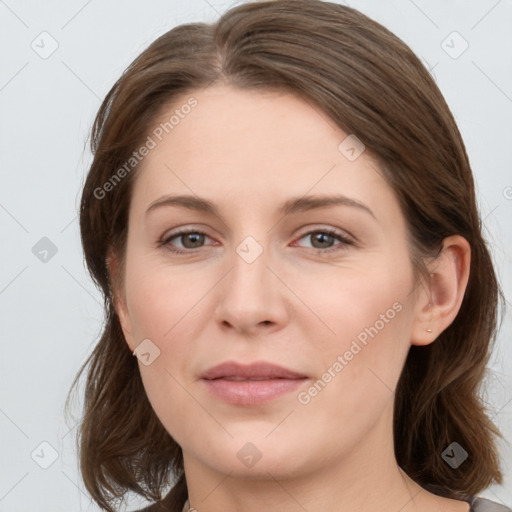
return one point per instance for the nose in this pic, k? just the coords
(251, 299)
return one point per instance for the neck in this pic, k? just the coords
(395, 492)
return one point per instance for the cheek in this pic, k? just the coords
(166, 306)
(359, 365)
(349, 300)
(161, 299)
(369, 317)
(162, 314)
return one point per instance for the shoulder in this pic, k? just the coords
(485, 505)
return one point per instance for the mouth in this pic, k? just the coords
(252, 384)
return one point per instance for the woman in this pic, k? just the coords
(299, 301)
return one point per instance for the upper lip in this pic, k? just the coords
(258, 369)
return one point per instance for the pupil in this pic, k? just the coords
(326, 239)
(196, 238)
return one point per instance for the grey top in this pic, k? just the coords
(477, 505)
(485, 505)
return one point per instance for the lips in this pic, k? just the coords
(252, 384)
(261, 370)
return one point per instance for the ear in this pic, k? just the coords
(119, 299)
(439, 300)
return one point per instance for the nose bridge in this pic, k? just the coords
(250, 294)
(249, 261)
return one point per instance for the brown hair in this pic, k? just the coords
(373, 86)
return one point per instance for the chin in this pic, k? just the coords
(251, 456)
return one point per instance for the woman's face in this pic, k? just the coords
(299, 260)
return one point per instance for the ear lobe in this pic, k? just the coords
(119, 299)
(440, 300)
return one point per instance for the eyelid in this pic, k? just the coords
(342, 233)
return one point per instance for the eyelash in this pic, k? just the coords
(328, 231)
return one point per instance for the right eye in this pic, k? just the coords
(190, 240)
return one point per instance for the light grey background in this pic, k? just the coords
(51, 313)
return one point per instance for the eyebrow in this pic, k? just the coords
(293, 205)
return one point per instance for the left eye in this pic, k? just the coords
(324, 239)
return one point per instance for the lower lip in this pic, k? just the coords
(251, 392)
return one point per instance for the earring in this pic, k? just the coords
(428, 330)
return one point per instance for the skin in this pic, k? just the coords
(295, 305)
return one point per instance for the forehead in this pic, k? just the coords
(252, 146)
(249, 124)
